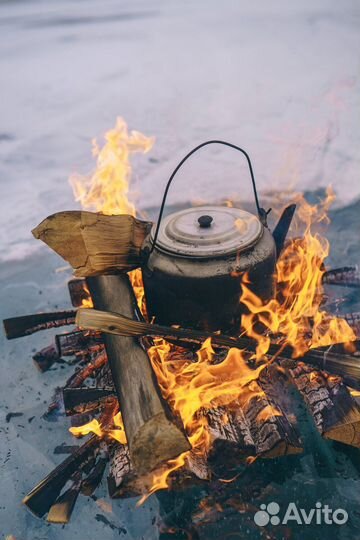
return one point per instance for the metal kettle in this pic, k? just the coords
(195, 261)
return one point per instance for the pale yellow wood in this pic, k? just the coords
(94, 243)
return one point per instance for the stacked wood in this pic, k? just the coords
(335, 412)
(95, 243)
(153, 434)
(82, 400)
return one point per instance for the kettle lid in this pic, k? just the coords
(208, 231)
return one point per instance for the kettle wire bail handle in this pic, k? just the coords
(261, 212)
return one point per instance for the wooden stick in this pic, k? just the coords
(29, 324)
(151, 431)
(114, 323)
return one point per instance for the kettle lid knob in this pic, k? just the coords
(205, 221)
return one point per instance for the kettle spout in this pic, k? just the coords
(282, 228)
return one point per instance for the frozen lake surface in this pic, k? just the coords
(279, 78)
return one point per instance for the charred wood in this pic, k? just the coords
(335, 412)
(74, 342)
(61, 511)
(81, 400)
(45, 358)
(16, 327)
(79, 293)
(347, 276)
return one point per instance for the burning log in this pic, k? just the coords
(336, 413)
(80, 376)
(79, 293)
(95, 243)
(45, 358)
(80, 400)
(114, 323)
(29, 324)
(151, 432)
(347, 276)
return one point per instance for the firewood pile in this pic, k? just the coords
(262, 427)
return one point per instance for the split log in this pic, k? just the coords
(43, 496)
(91, 482)
(61, 510)
(151, 430)
(335, 412)
(16, 327)
(82, 400)
(95, 243)
(124, 481)
(45, 358)
(79, 293)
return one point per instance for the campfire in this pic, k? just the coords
(190, 335)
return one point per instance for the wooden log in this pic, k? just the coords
(114, 323)
(95, 243)
(335, 411)
(46, 357)
(347, 276)
(91, 482)
(81, 400)
(25, 325)
(74, 342)
(79, 293)
(61, 511)
(43, 496)
(151, 431)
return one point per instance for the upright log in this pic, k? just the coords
(152, 433)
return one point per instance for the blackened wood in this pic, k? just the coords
(16, 327)
(151, 431)
(282, 227)
(91, 482)
(73, 342)
(61, 511)
(42, 497)
(347, 276)
(80, 400)
(45, 358)
(335, 412)
(353, 320)
(79, 293)
(229, 431)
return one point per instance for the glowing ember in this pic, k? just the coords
(294, 317)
